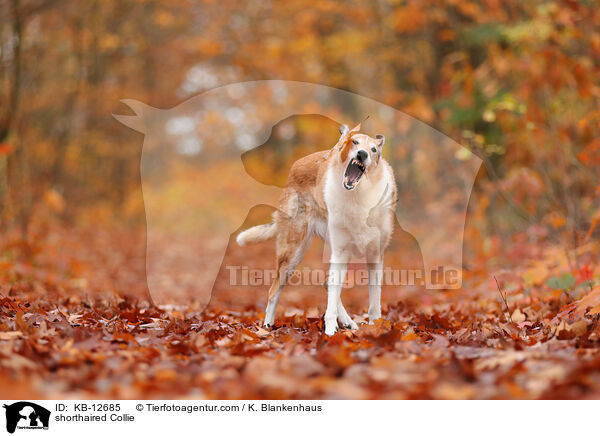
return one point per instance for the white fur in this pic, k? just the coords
(357, 223)
(256, 234)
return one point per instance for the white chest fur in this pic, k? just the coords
(360, 217)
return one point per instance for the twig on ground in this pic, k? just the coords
(504, 299)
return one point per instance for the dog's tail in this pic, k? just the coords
(257, 234)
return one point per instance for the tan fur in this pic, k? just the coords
(302, 211)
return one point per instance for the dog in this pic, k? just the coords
(346, 196)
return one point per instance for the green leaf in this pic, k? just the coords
(566, 281)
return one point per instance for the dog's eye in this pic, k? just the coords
(374, 150)
(355, 141)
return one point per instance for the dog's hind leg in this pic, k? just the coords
(374, 256)
(290, 252)
(375, 279)
(274, 294)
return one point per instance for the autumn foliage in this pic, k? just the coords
(515, 82)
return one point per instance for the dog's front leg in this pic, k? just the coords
(375, 279)
(335, 281)
(345, 320)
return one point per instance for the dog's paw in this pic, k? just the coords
(350, 325)
(330, 331)
(373, 316)
(331, 327)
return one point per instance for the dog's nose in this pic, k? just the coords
(362, 155)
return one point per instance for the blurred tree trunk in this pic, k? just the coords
(23, 197)
(4, 121)
(8, 120)
(65, 128)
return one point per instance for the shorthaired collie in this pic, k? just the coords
(346, 196)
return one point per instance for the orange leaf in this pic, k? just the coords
(6, 149)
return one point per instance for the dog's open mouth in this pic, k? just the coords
(354, 172)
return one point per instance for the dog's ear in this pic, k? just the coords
(381, 139)
(344, 129)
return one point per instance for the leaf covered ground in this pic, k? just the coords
(62, 335)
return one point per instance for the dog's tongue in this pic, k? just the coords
(354, 173)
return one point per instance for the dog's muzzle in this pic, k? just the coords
(355, 170)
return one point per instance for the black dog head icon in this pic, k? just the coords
(27, 414)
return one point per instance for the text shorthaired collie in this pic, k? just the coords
(346, 196)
